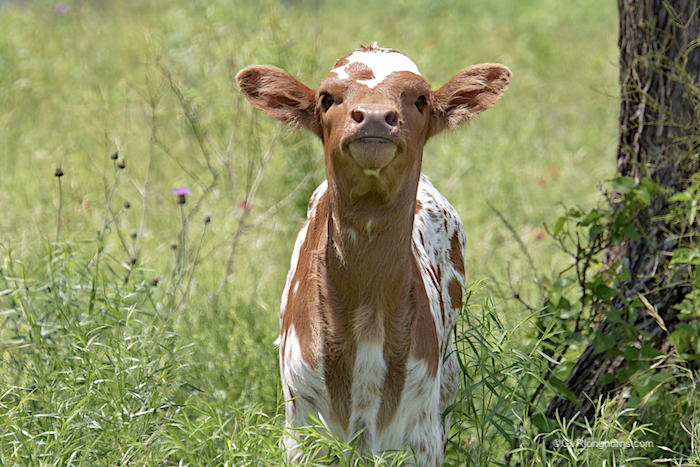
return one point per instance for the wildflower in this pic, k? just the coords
(207, 219)
(61, 8)
(134, 235)
(114, 156)
(121, 164)
(156, 280)
(127, 205)
(58, 172)
(181, 193)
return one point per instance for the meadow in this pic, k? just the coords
(135, 330)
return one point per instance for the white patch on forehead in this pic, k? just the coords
(381, 63)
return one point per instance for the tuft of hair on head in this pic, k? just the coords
(375, 47)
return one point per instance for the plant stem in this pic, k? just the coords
(60, 208)
(194, 265)
(109, 201)
(183, 236)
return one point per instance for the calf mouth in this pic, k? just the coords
(372, 153)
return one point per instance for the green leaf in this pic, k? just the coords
(607, 378)
(559, 226)
(604, 292)
(617, 238)
(630, 232)
(564, 304)
(595, 230)
(603, 342)
(650, 352)
(554, 297)
(693, 212)
(631, 353)
(625, 275)
(686, 256)
(625, 374)
(681, 197)
(681, 337)
(560, 386)
(652, 187)
(663, 377)
(643, 195)
(613, 315)
(622, 185)
(592, 216)
(542, 422)
(573, 338)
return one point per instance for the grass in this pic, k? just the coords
(143, 336)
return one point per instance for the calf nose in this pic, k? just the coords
(371, 134)
(374, 120)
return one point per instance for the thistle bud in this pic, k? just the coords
(182, 193)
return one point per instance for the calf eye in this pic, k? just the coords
(327, 101)
(421, 103)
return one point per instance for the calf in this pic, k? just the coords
(377, 271)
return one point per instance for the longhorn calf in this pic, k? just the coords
(377, 271)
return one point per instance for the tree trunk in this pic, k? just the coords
(659, 128)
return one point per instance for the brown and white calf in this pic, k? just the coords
(377, 272)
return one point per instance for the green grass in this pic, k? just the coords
(175, 366)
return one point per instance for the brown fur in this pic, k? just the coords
(454, 288)
(456, 254)
(277, 94)
(303, 308)
(468, 93)
(360, 72)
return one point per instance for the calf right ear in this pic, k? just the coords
(279, 95)
(467, 94)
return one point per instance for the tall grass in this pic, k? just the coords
(95, 372)
(499, 415)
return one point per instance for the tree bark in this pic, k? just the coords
(659, 128)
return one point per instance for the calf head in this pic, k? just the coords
(374, 113)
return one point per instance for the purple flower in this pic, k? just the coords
(181, 193)
(61, 8)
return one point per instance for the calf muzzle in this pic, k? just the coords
(372, 143)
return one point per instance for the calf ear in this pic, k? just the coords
(279, 95)
(467, 94)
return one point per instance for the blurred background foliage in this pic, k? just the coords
(154, 81)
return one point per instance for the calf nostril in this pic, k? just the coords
(392, 118)
(357, 115)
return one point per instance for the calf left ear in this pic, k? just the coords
(278, 94)
(467, 94)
